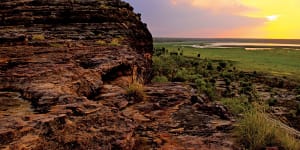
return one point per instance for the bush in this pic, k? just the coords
(246, 88)
(255, 131)
(236, 105)
(222, 64)
(211, 92)
(228, 75)
(161, 66)
(181, 75)
(135, 92)
(209, 66)
(207, 88)
(160, 79)
(201, 84)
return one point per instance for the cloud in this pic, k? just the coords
(217, 6)
(191, 18)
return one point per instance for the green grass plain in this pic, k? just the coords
(278, 61)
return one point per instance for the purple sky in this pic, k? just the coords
(165, 19)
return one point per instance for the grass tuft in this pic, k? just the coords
(115, 42)
(38, 37)
(101, 42)
(255, 131)
(135, 92)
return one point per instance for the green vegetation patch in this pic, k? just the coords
(237, 106)
(279, 61)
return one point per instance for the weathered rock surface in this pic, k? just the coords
(64, 66)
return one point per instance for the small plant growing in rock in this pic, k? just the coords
(115, 42)
(101, 42)
(38, 37)
(135, 92)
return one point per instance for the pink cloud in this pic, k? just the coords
(216, 6)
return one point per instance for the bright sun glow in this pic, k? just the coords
(280, 16)
(272, 18)
(284, 25)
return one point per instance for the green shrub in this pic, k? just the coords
(211, 92)
(209, 66)
(181, 75)
(201, 84)
(236, 105)
(135, 92)
(161, 66)
(160, 79)
(246, 88)
(222, 64)
(228, 75)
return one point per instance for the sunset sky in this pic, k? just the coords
(221, 18)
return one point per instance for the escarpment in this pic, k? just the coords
(50, 49)
(64, 69)
(57, 55)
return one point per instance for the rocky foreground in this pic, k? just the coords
(64, 68)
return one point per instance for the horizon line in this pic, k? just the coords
(225, 38)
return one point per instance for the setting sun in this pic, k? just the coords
(272, 18)
(277, 26)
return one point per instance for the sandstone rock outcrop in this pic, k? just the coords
(85, 40)
(64, 66)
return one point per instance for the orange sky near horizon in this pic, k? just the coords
(281, 17)
(275, 19)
